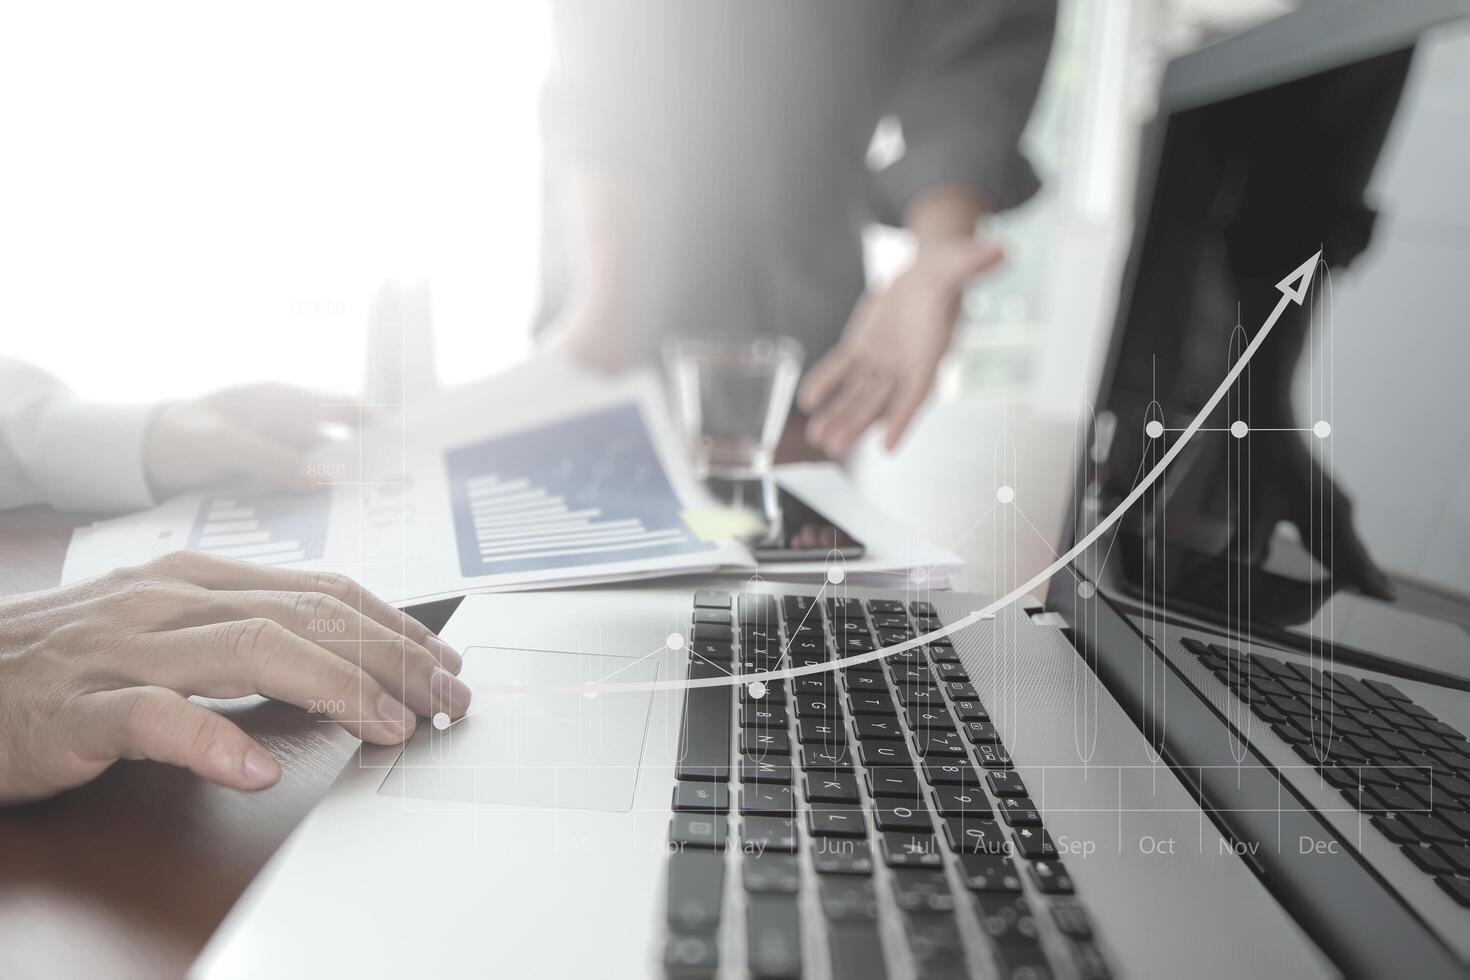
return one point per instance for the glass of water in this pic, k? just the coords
(732, 396)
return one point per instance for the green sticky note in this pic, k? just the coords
(720, 523)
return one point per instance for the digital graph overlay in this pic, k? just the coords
(1293, 289)
(579, 492)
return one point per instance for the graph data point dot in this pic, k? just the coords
(1154, 429)
(757, 689)
(1086, 590)
(675, 641)
(589, 694)
(1238, 429)
(1322, 429)
(836, 575)
(441, 721)
(918, 575)
(1005, 494)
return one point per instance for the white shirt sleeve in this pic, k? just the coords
(59, 449)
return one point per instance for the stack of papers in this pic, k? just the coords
(543, 476)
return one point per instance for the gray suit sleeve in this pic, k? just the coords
(963, 97)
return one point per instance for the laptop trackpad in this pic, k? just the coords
(534, 749)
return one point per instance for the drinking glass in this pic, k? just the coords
(732, 396)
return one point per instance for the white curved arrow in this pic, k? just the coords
(1293, 291)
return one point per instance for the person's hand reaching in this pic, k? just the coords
(883, 368)
(259, 433)
(103, 670)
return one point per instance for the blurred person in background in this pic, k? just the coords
(707, 172)
(103, 669)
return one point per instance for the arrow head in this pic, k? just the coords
(1294, 286)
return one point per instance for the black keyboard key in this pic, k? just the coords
(896, 783)
(1072, 919)
(970, 710)
(885, 753)
(757, 605)
(951, 672)
(976, 834)
(826, 758)
(714, 617)
(701, 797)
(771, 874)
(832, 787)
(763, 714)
(699, 830)
(712, 600)
(824, 685)
(922, 890)
(821, 731)
(704, 739)
(904, 850)
(981, 731)
(1428, 859)
(921, 608)
(836, 820)
(719, 652)
(903, 673)
(776, 801)
(984, 871)
(761, 834)
(1396, 830)
(1005, 782)
(1007, 919)
(889, 638)
(774, 693)
(839, 608)
(856, 952)
(871, 703)
(993, 756)
(955, 772)
(896, 815)
(1034, 844)
(696, 888)
(848, 899)
(797, 606)
(962, 691)
(960, 801)
(1387, 690)
(934, 941)
(890, 621)
(926, 696)
(1019, 811)
(774, 770)
(817, 706)
(939, 654)
(710, 633)
(691, 954)
(925, 716)
(863, 683)
(881, 607)
(1022, 958)
(760, 743)
(1051, 878)
(1456, 854)
(851, 645)
(841, 856)
(773, 936)
(1430, 828)
(1456, 888)
(880, 728)
(937, 742)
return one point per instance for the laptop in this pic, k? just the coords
(1147, 775)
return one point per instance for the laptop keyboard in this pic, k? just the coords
(1392, 759)
(886, 775)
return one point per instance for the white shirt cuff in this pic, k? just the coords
(90, 455)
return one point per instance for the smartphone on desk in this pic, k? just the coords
(802, 533)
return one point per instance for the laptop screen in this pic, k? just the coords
(1329, 494)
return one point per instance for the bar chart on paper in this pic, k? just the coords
(271, 530)
(589, 490)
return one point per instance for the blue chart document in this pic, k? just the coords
(272, 530)
(585, 491)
